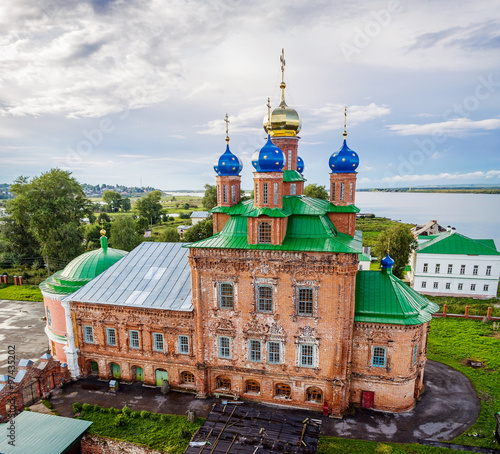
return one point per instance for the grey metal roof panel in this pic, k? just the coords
(153, 275)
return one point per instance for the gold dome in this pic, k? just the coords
(285, 121)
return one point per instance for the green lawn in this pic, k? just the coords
(169, 433)
(371, 228)
(454, 341)
(20, 292)
(476, 306)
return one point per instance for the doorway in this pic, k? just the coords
(367, 399)
(160, 375)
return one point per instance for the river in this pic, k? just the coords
(473, 215)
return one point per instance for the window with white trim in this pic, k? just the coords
(460, 286)
(488, 270)
(473, 287)
(426, 268)
(424, 284)
(256, 192)
(351, 187)
(111, 336)
(379, 356)
(264, 194)
(333, 191)
(233, 193)
(226, 295)
(415, 353)
(305, 301)
(342, 191)
(183, 344)
(475, 270)
(438, 268)
(224, 347)
(435, 285)
(450, 268)
(275, 193)
(293, 189)
(134, 338)
(264, 233)
(158, 342)
(485, 287)
(462, 269)
(254, 351)
(289, 160)
(306, 355)
(88, 334)
(224, 193)
(274, 352)
(264, 298)
(218, 194)
(448, 286)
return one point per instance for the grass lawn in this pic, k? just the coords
(453, 342)
(20, 292)
(476, 306)
(371, 228)
(169, 433)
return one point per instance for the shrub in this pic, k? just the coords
(47, 404)
(144, 414)
(96, 408)
(86, 407)
(77, 407)
(134, 414)
(120, 420)
(126, 411)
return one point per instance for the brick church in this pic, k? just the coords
(271, 308)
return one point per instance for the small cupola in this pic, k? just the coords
(300, 165)
(344, 160)
(387, 263)
(228, 163)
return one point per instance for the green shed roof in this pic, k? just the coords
(42, 434)
(453, 243)
(290, 176)
(82, 269)
(383, 298)
(308, 227)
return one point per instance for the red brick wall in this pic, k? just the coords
(344, 222)
(270, 178)
(285, 144)
(348, 179)
(219, 220)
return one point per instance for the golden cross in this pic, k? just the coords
(227, 128)
(282, 60)
(345, 122)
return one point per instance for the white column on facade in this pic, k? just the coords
(70, 349)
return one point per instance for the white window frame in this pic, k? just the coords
(435, 285)
(438, 268)
(375, 359)
(134, 342)
(265, 194)
(224, 193)
(88, 334)
(233, 193)
(424, 284)
(183, 343)
(425, 269)
(485, 287)
(310, 355)
(450, 268)
(293, 189)
(448, 285)
(473, 287)
(261, 299)
(158, 342)
(475, 270)
(488, 270)
(224, 297)
(311, 302)
(462, 269)
(111, 334)
(460, 286)
(342, 191)
(227, 347)
(271, 353)
(255, 350)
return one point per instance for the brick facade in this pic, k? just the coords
(31, 381)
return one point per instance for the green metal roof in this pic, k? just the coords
(42, 434)
(308, 227)
(453, 243)
(291, 176)
(82, 269)
(383, 298)
(364, 258)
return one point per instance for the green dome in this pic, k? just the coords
(82, 269)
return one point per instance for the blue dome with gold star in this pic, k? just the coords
(300, 165)
(228, 164)
(387, 261)
(344, 161)
(269, 158)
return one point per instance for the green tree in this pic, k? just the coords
(200, 231)
(170, 235)
(51, 207)
(126, 204)
(398, 241)
(210, 198)
(316, 191)
(113, 199)
(149, 206)
(141, 224)
(92, 236)
(124, 233)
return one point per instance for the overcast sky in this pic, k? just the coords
(131, 91)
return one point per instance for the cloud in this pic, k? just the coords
(457, 127)
(479, 174)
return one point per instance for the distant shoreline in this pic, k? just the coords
(436, 190)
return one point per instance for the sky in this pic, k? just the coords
(134, 92)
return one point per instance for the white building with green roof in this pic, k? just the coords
(451, 264)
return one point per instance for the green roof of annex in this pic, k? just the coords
(308, 227)
(82, 269)
(451, 242)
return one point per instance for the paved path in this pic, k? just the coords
(448, 407)
(22, 325)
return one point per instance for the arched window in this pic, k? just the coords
(252, 386)
(314, 395)
(265, 233)
(223, 383)
(283, 390)
(187, 377)
(49, 318)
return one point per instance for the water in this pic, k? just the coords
(473, 215)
